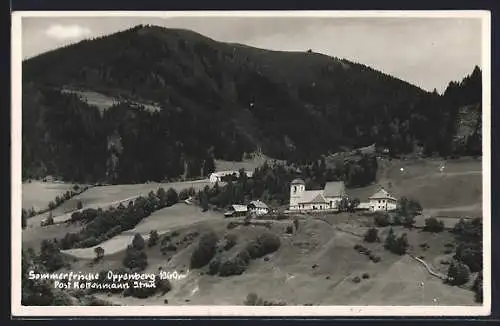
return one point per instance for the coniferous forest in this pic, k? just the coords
(219, 101)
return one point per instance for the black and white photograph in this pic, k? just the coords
(251, 163)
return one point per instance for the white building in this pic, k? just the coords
(217, 176)
(306, 200)
(258, 207)
(382, 201)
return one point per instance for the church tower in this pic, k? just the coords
(297, 188)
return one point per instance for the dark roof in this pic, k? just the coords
(298, 181)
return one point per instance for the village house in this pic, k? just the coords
(236, 210)
(382, 201)
(218, 176)
(258, 207)
(307, 200)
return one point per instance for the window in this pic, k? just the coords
(294, 189)
(379, 201)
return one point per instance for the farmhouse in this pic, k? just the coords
(382, 201)
(258, 207)
(236, 210)
(305, 200)
(218, 176)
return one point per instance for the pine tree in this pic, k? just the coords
(390, 240)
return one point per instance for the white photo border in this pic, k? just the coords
(249, 311)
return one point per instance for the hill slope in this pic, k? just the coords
(211, 100)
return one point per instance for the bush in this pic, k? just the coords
(164, 286)
(458, 273)
(390, 240)
(289, 229)
(356, 279)
(366, 276)
(263, 245)
(231, 225)
(138, 242)
(253, 300)
(371, 235)
(396, 245)
(401, 245)
(51, 256)
(183, 194)
(236, 265)
(375, 259)
(153, 238)
(381, 219)
(296, 223)
(99, 253)
(79, 205)
(470, 254)
(230, 241)
(52, 205)
(172, 197)
(205, 250)
(135, 259)
(213, 266)
(432, 224)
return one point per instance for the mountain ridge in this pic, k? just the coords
(218, 100)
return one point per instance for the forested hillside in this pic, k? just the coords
(220, 101)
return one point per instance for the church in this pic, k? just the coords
(307, 200)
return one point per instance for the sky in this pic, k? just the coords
(426, 52)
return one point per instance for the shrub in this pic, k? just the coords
(230, 241)
(172, 197)
(52, 205)
(356, 279)
(79, 205)
(289, 229)
(183, 194)
(253, 300)
(138, 242)
(401, 245)
(470, 254)
(375, 259)
(408, 221)
(153, 238)
(432, 224)
(365, 276)
(163, 286)
(213, 266)
(135, 259)
(296, 223)
(236, 265)
(264, 244)
(458, 273)
(51, 256)
(99, 253)
(205, 250)
(371, 235)
(381, 219)
(390, 240)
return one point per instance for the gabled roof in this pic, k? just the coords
(319, 199)
(382, 194)
(310, 195)
(239, 208)
(258, 204)
(334, 189)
